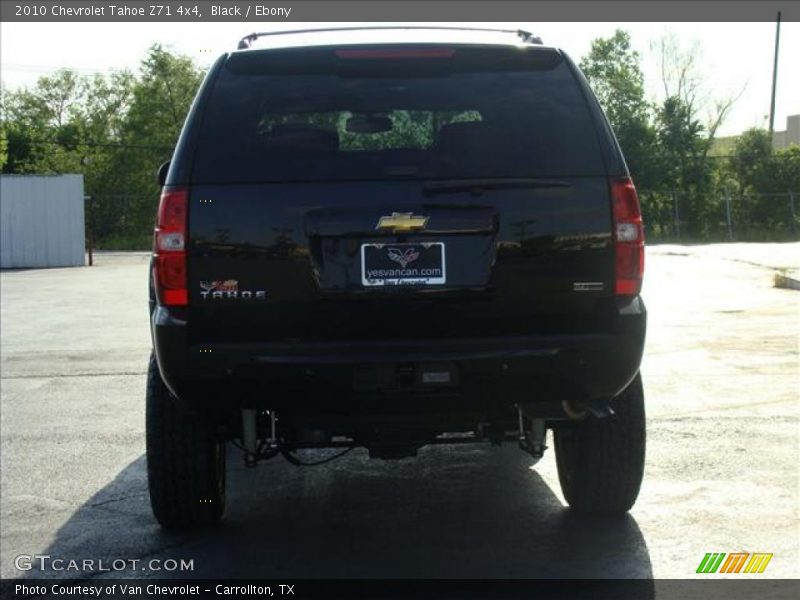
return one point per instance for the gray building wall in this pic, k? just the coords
(41, 221)
(784, 139)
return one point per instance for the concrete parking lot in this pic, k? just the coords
(723, 394)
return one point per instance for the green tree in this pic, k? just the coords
(762, 179)
(64, 123)
(686, 123)
(114, 129)
(787, 170)
(3, 147)
(750, 163)
(162, 96)
(614, 72)
(43, 124)
(158, 101)
(684, 168)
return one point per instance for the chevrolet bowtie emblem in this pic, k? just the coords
(402, 222)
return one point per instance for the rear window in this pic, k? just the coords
(395, 119)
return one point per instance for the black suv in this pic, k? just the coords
(389, 245)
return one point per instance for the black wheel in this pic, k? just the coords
(185, 460)
(601, 461)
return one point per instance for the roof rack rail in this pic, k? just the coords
(526, 36)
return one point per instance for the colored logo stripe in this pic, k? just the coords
(710, 562)
(734, 562)
(758, 562)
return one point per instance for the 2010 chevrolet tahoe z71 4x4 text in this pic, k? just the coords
(389, 245)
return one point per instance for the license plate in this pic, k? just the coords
(402, 264)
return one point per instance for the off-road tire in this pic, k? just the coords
(601, 460)
(185, 460)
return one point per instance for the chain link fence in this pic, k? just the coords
(677, 216)
(120, 221)
(125, 222)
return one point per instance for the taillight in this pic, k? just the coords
(169, 248)
(628, 238)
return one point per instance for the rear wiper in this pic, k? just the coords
(477, 186)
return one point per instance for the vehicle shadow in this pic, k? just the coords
(453, 512)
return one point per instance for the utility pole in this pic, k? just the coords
(774, 77)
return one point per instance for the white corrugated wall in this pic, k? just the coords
(41, 221)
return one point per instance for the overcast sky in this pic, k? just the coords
(735, 56)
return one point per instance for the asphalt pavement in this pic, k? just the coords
(722, 383)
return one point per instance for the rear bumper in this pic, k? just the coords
(488, 372)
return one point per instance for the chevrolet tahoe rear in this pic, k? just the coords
(391, 245)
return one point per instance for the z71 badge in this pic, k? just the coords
(228, 290)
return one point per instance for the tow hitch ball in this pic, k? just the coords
(532, 440)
